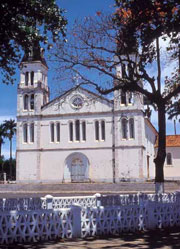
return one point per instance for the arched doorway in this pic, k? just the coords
(76, 168)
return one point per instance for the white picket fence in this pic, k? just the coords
(131, 218)
(34, 219)
(31, 226)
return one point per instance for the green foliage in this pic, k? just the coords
(3, 135)
(10, 127)
(171, 84)
(5, 166)
(24, 22)
(141, 22)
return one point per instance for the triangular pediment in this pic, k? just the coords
(78, 100)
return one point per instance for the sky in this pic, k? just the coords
(74, 9)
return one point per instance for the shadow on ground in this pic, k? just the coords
(155, 239)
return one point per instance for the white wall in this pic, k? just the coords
(27, 166)
(53, 165)
(173, 171)
(149, 142)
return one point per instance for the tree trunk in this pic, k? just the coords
(10, 161)
(0, 149)
(161, 152)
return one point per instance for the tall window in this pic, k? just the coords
(102, 129)
(130, 98)
(131, 128)
(25, 133)
(52, 132)
(71, 131)
(58, 131)
(26, 78)
(96, 130)
(32, 102)
(77, 128)
(44, 99)
(32, 78)
(25, 102)
(123, 98)
(84, 131)
(32, 132)
(124, 128)
(169, 159)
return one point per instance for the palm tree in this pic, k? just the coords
(10, 126)
(3, 134)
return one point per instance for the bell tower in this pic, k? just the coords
(125, 100)
(32, 94)
(33, 90)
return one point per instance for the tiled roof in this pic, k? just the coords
(151, 125)
(171, 141)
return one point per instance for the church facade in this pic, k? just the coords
(79, 136)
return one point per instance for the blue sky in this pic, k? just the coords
(75, 9)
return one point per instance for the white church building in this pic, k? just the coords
(79, 136)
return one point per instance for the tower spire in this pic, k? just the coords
(34, 53)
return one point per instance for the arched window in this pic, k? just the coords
(131, 128)
(58, 131)
(26, 78)
(130, 98)
(123, 98)
(32, 78)
(32, 132)
(32, 102)
(25, 133)
(71, 131)
(124, 128)
(102, 129)
(96, 130)
(52, 132)
(26, 102)
(77, 128)
(84, 131)
(169, 159)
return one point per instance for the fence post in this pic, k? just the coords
(177, 193)
(4, 178)
(141, 199)
(76, 223)
(98, 199)
(151, 216)
(49, 200)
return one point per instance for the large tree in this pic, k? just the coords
(10, 126)
(130, 37)
(24, 22)
(3, 135)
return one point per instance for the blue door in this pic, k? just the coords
(78, 170)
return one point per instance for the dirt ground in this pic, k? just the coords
(161, 239)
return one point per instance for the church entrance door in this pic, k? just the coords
(77, 170)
